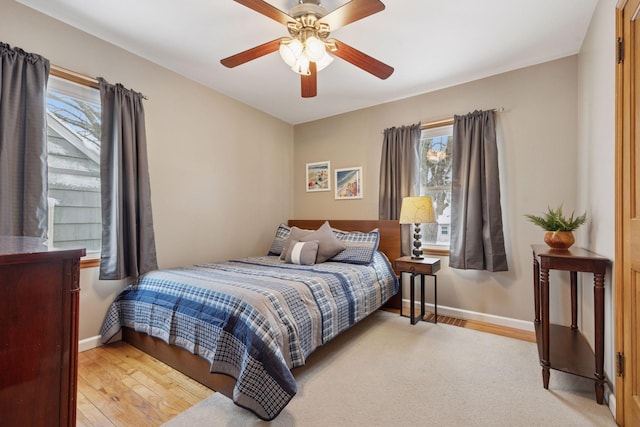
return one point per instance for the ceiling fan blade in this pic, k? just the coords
(253, 53)
(351, 12)
(267, 10)
(309, 84)
(361, 60)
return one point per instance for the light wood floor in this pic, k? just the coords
(118, 385)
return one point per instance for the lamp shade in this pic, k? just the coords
(417, 210)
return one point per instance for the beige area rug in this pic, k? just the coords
(385, 372)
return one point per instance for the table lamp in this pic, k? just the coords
(416, 211)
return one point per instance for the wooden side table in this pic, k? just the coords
(422, 267)
(564, 348)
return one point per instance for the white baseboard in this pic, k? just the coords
(610, 398)
(89, 343)
(94, 342)
(473, 315)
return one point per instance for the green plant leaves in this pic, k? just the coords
(554, 220)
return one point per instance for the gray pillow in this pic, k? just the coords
(329, 245)
(301, 253)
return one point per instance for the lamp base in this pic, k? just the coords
(417, 243)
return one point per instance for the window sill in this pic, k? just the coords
(89, 262)
(435, 251)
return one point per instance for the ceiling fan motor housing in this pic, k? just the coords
(307, 15)
(310, 8)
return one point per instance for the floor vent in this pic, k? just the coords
(446, 320)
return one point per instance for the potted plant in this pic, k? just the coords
(558, 226)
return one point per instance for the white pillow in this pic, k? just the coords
(301, 253)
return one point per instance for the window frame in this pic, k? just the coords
(92, 259)
(430, 248)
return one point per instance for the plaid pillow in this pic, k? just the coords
(360, 246)
(282, 233)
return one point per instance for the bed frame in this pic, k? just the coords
(198, 368)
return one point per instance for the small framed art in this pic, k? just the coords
(349, 183)
(318, 176)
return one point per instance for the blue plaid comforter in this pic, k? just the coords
(254, 319)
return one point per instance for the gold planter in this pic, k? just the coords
(559, 239)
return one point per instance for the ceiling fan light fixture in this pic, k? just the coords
(290, 51)
(301, 66)
(314, 49)
(323, 62)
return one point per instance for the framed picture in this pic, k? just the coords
(318, 176)
(349, 183)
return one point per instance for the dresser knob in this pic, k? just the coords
(412, 269)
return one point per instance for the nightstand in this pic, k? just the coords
(419, 267)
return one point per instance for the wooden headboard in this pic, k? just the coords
(389, 231)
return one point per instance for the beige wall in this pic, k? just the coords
(537, 137)
(220, 171)
(596, 161)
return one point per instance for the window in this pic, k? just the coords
(435, 181)
(73, 145)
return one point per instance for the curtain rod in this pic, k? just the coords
(449, 121)
(82, 79)
(79, 78)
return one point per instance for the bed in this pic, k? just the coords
(241, 327)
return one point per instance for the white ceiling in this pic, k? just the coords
(432, 44)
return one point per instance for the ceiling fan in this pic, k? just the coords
(309, 49)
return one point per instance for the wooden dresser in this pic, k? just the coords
(39, 288)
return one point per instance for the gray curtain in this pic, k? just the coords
(477, 240)
(399, 174)
(23, 143)
(128, 242)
